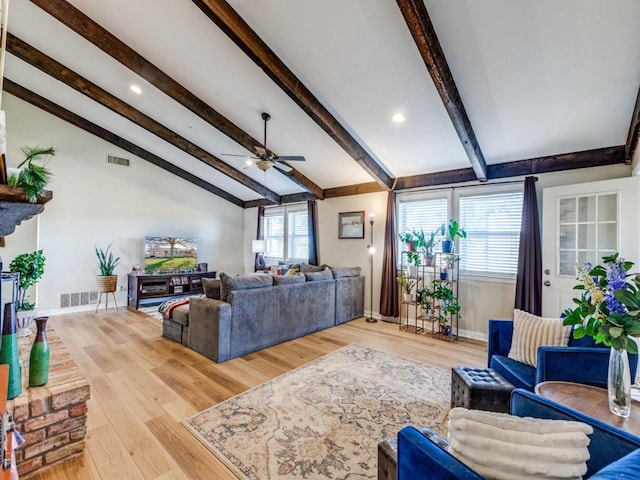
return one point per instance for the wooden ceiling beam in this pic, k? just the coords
(284, 199)
(228, 20)
(358, 189)
(112, 46)
(67, 76)
(417, 19)
(552, 163)
(634, 127)
(70, 117)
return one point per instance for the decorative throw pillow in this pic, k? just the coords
(341, 272)
(211, 288)
(242, 282)
(305, 267)
(502, 446)
(319, 276)
(531, 332)
(289, 279)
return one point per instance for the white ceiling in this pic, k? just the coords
(537, 78)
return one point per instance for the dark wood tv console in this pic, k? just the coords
(144, 286)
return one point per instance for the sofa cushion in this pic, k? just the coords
(211, 288)
(305, 267)
(531, 332)
(502, 446)
(321, 276)
(519, 374)
(289, 279)
(242, 282)
(627, 467)
(181, 315)
(342, 272)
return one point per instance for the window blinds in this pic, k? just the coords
(492, 223)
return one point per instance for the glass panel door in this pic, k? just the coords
(587, 230)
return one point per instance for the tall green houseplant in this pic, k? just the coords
(107, 281)
(31, 268)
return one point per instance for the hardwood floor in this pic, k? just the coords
(143, 385)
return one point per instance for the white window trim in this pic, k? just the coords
(476, 191)
(284, 210)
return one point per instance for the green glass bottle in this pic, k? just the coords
(9, 353)
(39, 358)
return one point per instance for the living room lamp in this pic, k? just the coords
(259, 246)
(372, 250)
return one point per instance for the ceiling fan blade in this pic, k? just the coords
(291, 158)
(282, 166)
(234, 155)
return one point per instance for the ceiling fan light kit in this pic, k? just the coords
(265, 158)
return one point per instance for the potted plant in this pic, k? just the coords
(107, 282)
(448, 304)
(30, 266)
(426, 302)
(450, 233)
(30, 176)
(407, 238)
(407, 285)
(426, 245)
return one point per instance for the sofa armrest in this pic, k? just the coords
(500, 337)
(420, 457)
(577, 364)
(210, 328)
(608, 443)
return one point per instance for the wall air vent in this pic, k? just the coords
(118, 160)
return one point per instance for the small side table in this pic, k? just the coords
(592, 401)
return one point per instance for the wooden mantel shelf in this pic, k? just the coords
(15, 208)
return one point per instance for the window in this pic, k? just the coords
(415, 213)
(492, 222)
(294, 246)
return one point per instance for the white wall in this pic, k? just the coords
(96, 203)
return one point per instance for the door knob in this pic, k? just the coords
(547, 271)
(546, 283)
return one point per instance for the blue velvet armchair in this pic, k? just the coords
(582, 361)
(614, 453)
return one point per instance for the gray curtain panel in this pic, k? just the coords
(529, 279)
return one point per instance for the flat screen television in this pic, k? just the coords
(170, 254)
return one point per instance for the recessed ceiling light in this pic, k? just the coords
(398, 118)
(135, 89)
(248, 162)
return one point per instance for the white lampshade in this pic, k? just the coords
(258, 246)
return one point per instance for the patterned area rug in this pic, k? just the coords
(153, 311)
(324, 419)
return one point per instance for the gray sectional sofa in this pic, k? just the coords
(247, 313)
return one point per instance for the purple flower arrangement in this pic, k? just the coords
(609, 308)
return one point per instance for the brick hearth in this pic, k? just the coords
(51, 418)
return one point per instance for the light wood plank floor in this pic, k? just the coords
(143, 385)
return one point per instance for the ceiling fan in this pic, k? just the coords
(265, 158)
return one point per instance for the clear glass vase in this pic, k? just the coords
(619, 383)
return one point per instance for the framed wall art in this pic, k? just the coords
(351, 224)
